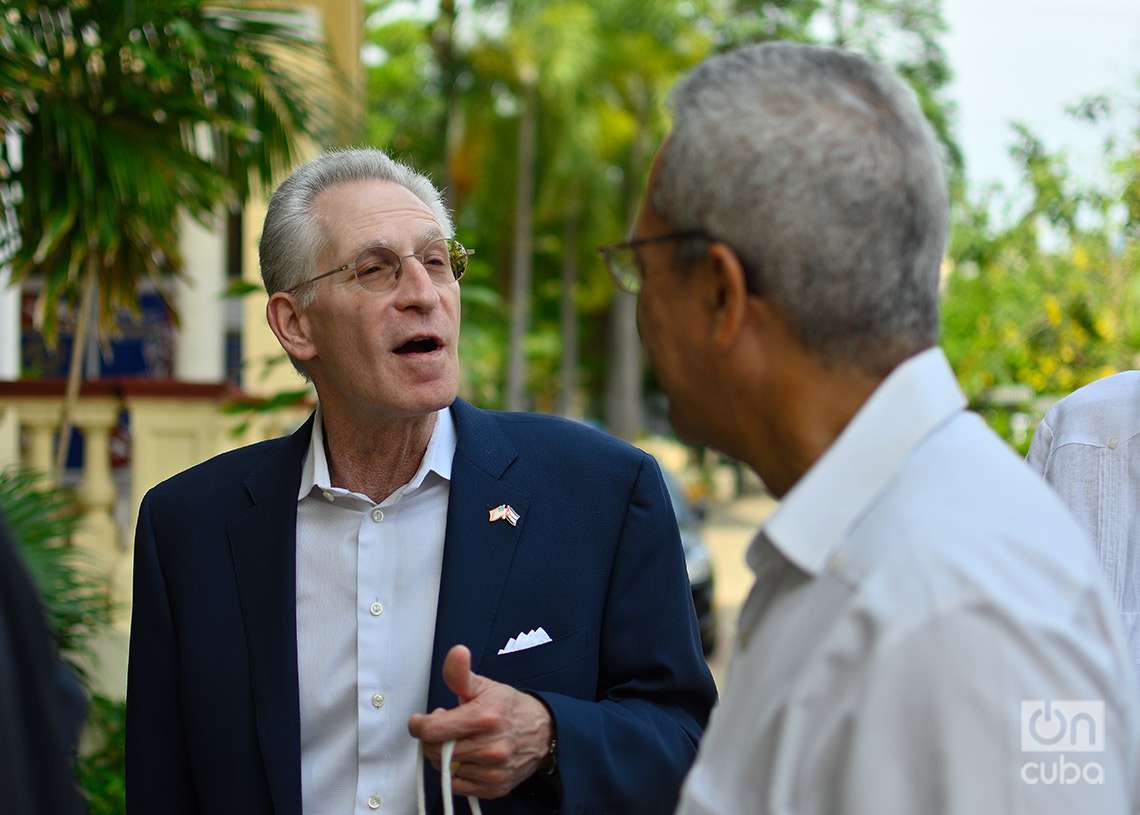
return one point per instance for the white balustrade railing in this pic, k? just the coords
(172, 426)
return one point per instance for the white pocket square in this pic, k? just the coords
(533, 639)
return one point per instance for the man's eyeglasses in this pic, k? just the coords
(378, 268)
(621, 258)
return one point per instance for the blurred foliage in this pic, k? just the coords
(446, 94)
(1050, 297)
(42, 519)
(102, 768)
(1043, 295)
(131, 113)
(1041, 291)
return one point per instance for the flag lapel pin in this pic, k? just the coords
(503, 512)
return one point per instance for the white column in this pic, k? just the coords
(9, 300)
(9, 366)
(9, 327)
(200, 341)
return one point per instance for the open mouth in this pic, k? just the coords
(420, 345)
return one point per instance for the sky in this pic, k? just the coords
(1026, 60)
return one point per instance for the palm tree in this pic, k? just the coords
(132, 113)
(41, 518)
(653, 43)
(543, 56)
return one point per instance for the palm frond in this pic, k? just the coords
(42, 520)
(134, 114)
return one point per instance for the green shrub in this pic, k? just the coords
(101, 768)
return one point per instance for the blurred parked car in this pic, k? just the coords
(691, 518)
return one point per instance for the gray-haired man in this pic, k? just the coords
(928, 625)
(405, 571)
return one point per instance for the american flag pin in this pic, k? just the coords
(504, 512)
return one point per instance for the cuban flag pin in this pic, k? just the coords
(503, 512)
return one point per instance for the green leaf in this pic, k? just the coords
(241, 288)
(41, 520)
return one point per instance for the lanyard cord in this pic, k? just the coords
(445, 781)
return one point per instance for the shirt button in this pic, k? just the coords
(328, 496)
(377, 700)
(1112, 444)
(376, 609)
(377, 515)
(373, 801)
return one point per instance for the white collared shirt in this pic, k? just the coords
(367, 587)
(913, 590)
(1088, 449)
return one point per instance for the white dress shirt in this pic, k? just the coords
(367, 586)
(1088, 449)
(912, 590)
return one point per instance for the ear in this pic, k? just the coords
(729, 295)
(290, 324)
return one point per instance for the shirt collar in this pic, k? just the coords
(815, 516)
(437, 458)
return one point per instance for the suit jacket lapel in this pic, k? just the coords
(263, 545)
(477, 554)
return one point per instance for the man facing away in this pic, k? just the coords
(301, 604)
(927, 623)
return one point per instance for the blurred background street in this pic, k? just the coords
(728, 533)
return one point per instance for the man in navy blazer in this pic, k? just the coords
(309, 610)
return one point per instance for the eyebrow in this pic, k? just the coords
(428, 235)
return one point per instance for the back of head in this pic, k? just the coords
(819, 169)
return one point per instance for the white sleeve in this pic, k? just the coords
(1041, 448)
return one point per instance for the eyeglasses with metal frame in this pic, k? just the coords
(621, 258)
(378, 268)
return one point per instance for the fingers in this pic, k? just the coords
(417, 721)
(483, 750)
(486, 783)
(441, 725)
(457, 674)
(453, 725)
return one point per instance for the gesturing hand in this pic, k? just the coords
(501, 735)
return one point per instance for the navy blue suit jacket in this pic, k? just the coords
(213, 723)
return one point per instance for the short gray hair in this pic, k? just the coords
(291, 237)
(819, 169)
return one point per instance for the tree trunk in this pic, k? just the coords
(75, 366)
(624, 415)
(623, 391)
(839, 24)
(520, 280)
(569, 403)
(443, 39)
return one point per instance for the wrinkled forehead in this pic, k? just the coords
(360, 213)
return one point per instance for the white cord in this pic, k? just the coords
(445, 781)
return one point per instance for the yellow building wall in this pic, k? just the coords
(343, 25)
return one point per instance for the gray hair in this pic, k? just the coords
(819, 169)
(292, 237)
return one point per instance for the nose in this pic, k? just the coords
(415, 289)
